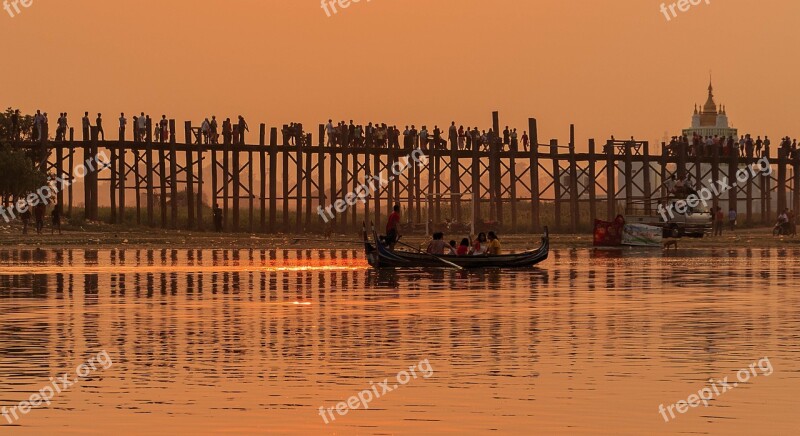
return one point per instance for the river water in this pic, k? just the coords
(257, 341)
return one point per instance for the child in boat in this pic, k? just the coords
(494, 245)
(480, 245)
(451, 249)
(463, 249)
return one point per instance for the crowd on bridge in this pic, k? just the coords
(381, 135)
(744, 147)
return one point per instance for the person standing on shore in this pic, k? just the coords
(732, 215)
(719, 222)
(55, 215)
(38, 214)
(217, 218)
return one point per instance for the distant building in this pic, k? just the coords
(709, 121)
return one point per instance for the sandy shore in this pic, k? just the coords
(103, 236)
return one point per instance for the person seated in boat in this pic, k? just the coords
(451, 249)
(480, 245)
(494, 245)
(463, 249)
(437, 245)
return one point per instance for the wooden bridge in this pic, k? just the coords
(515, 190)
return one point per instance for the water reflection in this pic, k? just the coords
(259, 339)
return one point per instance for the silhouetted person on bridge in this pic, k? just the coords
(227, 131)
(242, 128)
(15, 131)
(100, 133)
(86, 126)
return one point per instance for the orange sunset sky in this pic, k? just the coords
(611, 67)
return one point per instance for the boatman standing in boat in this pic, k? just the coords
(392, 227)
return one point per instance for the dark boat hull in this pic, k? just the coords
(379, 256)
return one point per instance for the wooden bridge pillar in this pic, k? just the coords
(187, 131)
(534, 174)
(173, 175)
(573, 183)
(556, 184)
(611, 187)
(262, 141)
(592, 173)
(648, 188)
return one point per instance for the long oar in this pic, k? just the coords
(431, 255)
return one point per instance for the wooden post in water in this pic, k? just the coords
(733, 168)
(262, 140)
(285, 178)
(534, 157)
(173, 174)
(309, 173)
(781, 180)
(344, 186)
(112, 189)
(715, 177)
(298, 191)
(334, 183)
(494, 168)
(320, 175)
(273, 179)
(149, 160)
(59, 174)
(556, 185)
(236, 169)
(71, 168)
(592, 173)
(611, 189)
(648, 189)
(629, 176)
(767, 218)
(187, 132)
(162, 181)
(376, 195)
(795, 162)
(250, 191)
(200, 150)
(573, 183)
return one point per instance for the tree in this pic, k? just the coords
(18, 176)
(25, 123)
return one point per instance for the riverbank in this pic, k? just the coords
(105, 236)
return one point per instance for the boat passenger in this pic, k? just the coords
(437, 245)
(463, 249)
(451, 248)
(480, 245)
(494, 245)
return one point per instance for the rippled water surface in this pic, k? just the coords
(256, 341)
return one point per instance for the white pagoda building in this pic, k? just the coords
(709, 121)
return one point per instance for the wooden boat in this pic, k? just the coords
(379, 256)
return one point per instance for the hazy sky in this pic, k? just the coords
(611, 67)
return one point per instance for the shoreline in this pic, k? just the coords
(109, 237)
